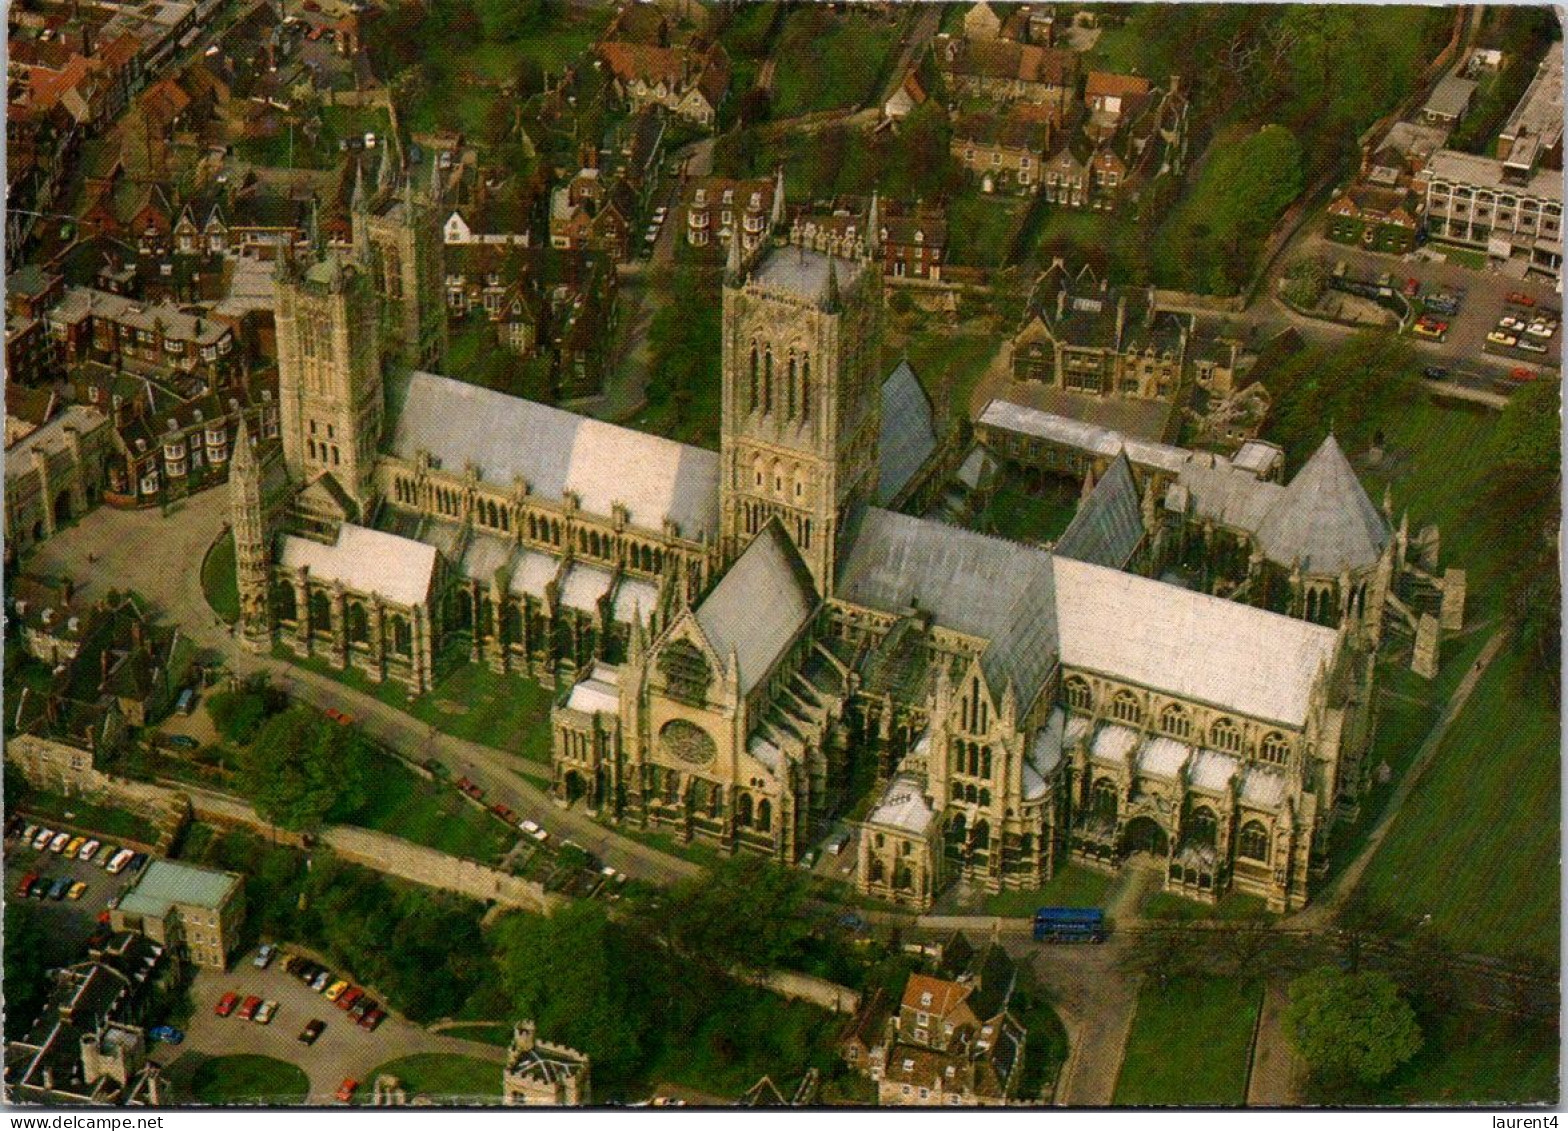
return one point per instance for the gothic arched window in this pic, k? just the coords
(1126, 708)
(1175, 722)
(1080, 697)
(1103, 800)
(1202, 827)
(767, 380)
(805, 388)
(1225, 735)
(752, 403)
(1275, 748)
(1254, 841)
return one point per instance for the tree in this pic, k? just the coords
(302, 770)
(745, 913)
(1351, 1026)
(26, 974)
(755, 105)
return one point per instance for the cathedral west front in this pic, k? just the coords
(754, 651)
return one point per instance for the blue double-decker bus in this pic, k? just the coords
(1069, 924)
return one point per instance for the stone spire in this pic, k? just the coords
(874, 226)
(244, 462)
(732, 267)
(833, 301)
(778, 199)
(384, 174)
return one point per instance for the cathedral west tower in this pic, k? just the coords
(801, 395)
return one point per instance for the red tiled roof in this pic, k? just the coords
(1104, 83)
(944, 996)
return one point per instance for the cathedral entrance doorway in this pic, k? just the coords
(576, 787)
(1143, 834)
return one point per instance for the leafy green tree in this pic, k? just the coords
(745, 913)
(302, 770)
(26, 976)
(1351, 1026)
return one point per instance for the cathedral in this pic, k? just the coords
(751, 648)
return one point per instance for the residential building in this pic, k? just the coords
(714, 207)
(1000, 69)
(92, 325)
(690, 82)
(1449, 101)
(1005, 152)
(54, 474)
(178, 905)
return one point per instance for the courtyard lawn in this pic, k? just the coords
(218, 582)
(1030, 514)
(1476, 845)
(948, 361)
(401, 803)
(986, 226)
(249, 1080)
(1072, 886)
(444, 1076)
(1232, 908)
(1189, 1044)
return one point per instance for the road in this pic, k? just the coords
(159, 558)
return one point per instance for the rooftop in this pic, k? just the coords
(168, 883)
(367, 561)
(802, 272)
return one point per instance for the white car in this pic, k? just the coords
(41, 841)
(1540, 329)
(89, 850)
(119, 860)
(265, 1014)
(264, 956)
(1509, 322)
(540, 835)
(1530, 347)
(59, 842)
(529, 827)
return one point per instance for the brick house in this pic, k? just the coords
(1006, 152)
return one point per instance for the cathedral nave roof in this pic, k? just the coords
(367, 561)
(759, 605)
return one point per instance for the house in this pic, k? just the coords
(689, 83)
(88, 324)
(1106, 95)
(904, 98)
(914, 242)
(198, 910)
(1005, 151)
(50, 615)
(1449, 101)
(1009, 72)
(1375, 217)
(712, 207)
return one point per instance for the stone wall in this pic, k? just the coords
(817, 991)
(58, 767)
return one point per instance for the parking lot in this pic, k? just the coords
(68, 923)
(344, 1050)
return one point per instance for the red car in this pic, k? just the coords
(1412, 287)
(25, 888)
(470, 788)
(1522, 374)
(346, 1090)
(339, 717)
(349, 996)
(504, 813)
(228, 1001)
(249, 1008)
(372, 1018)
(1519, 298)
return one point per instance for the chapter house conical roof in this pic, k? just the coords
(1324, 519)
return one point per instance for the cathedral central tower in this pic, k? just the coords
(801, 399)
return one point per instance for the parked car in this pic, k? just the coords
(1519, 298)
(529, 827)
(74, 845)
(337, 989)
(25, 888)
(311, 1031)
(1412, 287)
(1499, 338)
(58, 889)
(1522, 374)
(346, 1090)
(59, 842)
(1508, 322)
(89, 850)
(264, 956)
(138, 860)
(77, 890)
(372, 1018)
(119, 861)
(186, 703)
(168, 1034)
(184, 742)
(249, 1007)
(1541, 328)
(322, 979)
(226, 1004)
(1530, 346)
(348, 997)
(266, 1012)
(361, 1007)
(13, 827)
(42, 838)
(29, 833)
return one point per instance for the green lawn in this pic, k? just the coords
(445, 1076)
(218, 581)
(985, 226)
(81, 813)
(295, 149)
(827, 60)
(1233, 907)
(1072, 886)
(1476, 845)
(249, 1080)
(434, 814)
(1189, 1044)
(949, 362)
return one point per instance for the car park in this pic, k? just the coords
(226, 1004)
(311, 1031)
(346, 1090)
(249, 1007)
(265, 1012)
(264, 956)
(89, 850)
(76, 890)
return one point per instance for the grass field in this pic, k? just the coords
(1234, 908)
(947, 360)
(1476, 845)
(1030, 515)
(1189, 1044)
(1072, 886)
(985, 227)
(444, 1076)
(828, 61)
(218, 582)
(249, 1080)
(430, 813)
(80, 813)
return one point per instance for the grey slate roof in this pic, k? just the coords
(908, 434)
(555, 451)
(1109, 524)
(1323, 518)
(759, 606)
(803, 272)
(981, 586)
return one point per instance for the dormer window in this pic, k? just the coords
(925, 999)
